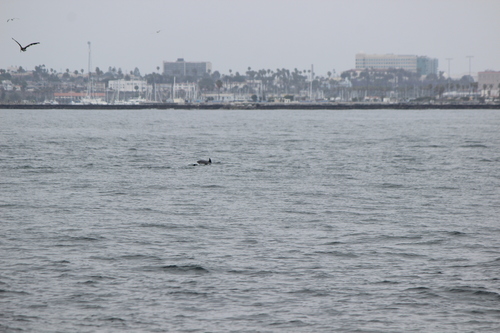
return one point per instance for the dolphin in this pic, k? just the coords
(204, 162)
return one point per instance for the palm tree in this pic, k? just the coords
(218, 84)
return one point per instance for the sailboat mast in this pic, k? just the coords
(89, 87)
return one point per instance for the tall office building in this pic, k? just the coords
(412, 63)
(181, 68)
(426, 65)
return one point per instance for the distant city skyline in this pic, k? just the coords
(235, 35)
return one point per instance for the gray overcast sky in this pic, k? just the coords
(237, 34)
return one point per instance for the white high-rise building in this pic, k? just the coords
(412, 63)
(181, 68)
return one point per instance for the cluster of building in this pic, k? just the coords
(135, 89)
(488, 81)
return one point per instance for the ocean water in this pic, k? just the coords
(306, 221)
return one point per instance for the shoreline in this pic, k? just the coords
(255, 106)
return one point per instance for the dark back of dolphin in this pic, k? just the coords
(205, 162)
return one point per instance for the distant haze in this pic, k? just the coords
(237, 34)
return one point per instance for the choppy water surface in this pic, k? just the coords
(307, 221)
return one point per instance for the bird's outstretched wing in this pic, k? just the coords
(17, 43)
(31, 44)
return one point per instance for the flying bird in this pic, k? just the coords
(23, 48)
(12, 19)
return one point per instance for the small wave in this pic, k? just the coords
(418, 289)
(115, 321)
(102, 277)
(299, 212)
(387, 282)
(156, 167)
(334, 243)
(185, 268)
(474, 292)
(182, 269)
(103, 258)
(250, 317)
(338, 254)
(250, 241)
(371, 220)
(88, 282)
(25, 318)
(427, 292)
(495, 262)
(405, 158)
(62, 262)
(429, 242)
(250, 271)
(112, 193)
(82, 239)
(21, 167)
(72, 241)
(474, 146)
(409, 237)
(187, 293)
(139, 257)
(4, 292)
(212, 186)
(455, 233)
(35, 169)
(81, 186)
(390, 185)
(262, 273)
(160, 225)
(290, 324)
(446, 188)
(476, 312)
(406, 255)
(11, 206)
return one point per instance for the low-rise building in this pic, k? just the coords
(74, 97)
(219, 98)
(489, 83)
(128, 85)
(7, 85)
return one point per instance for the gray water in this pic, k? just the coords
(306, 221)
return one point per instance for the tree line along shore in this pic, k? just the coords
(390, 87)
